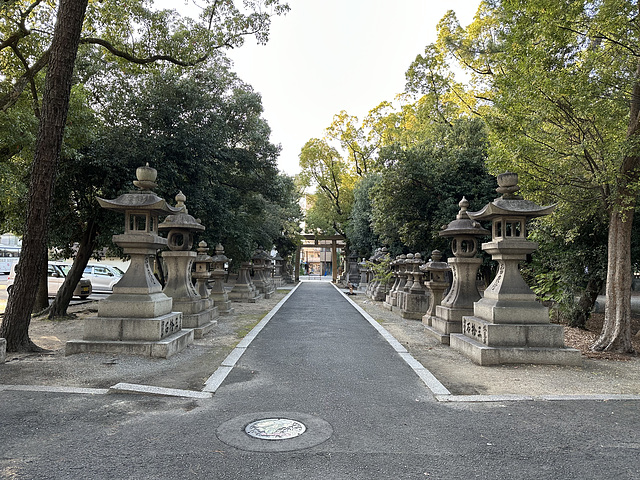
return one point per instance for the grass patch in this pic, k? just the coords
(252, 321)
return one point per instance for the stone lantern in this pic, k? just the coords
(415, 299)
(202, 271)
(464, 233)
(278, 270)
(198, 312)
(395, 273)
(262, 273)
(244, 290)
(436, 284)
(218, 294)
(508, 325)
(137, 318)
(353, 276)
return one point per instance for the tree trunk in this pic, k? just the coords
(55, 105)
(586, 302)
(616, 331)
(85, 249)
(42, 296)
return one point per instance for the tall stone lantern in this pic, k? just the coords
(464, 233)
(218, 294)
(137, 318)
(198, 312)
(508, 325)
(436, 283)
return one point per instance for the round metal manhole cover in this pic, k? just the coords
(294, 430)
(275, 429)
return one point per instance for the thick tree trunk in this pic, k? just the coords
(586, 302)
(55, 105)
(616, 331)
(42, 297)
(85, 249)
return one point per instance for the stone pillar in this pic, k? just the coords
(198, 313)
(138, 317)
(3, 350)
(218, 293)
(354, 272)
(508, 325)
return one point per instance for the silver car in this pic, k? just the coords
(56, 273)
(103, 277)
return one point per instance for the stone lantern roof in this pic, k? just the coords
(142, 199)
(510, 203)
(463, 225)
(181, 219)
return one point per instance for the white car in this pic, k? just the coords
(103, 277)
(56, 273)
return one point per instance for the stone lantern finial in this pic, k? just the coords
(146, 177)
(464, 205)
(508, 185)
(180, 199)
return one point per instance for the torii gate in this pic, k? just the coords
(326, 241)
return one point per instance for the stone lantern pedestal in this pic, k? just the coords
(508, 325)
(464, 233)
(244, 290)
(198, 312)
(138, 317)
(218, 293)
(436, 284)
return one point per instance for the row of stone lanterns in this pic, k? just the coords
(142, 317)
(507, 324)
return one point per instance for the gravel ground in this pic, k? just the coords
(191, 367)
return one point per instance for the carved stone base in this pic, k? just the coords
(164, 348)
(482, 354)
(415, 306)
(134, 329)
(201, 322)
(224, 307)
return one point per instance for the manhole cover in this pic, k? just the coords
(275, 429)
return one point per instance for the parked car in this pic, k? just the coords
(56, 273)
(103, 277)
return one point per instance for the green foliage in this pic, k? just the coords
(422, 185)
(359, 229)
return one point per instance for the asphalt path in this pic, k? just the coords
(368, 415)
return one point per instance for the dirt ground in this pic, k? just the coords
(187, 370)
(598, 374)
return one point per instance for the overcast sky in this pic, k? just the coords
(332, 55)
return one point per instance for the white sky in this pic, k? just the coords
(332, 55)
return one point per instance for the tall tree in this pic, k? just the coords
(223, 25)
(62, 55)
(561, 82)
